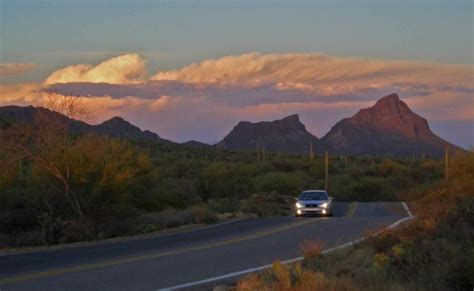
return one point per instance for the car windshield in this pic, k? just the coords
(313, 195)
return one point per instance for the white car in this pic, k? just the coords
(314, 202)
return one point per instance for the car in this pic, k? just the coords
(314, 202)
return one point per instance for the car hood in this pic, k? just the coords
(305, 202)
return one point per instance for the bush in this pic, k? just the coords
(224, 205)
(113, 227)
(266, 205)
(372, 189)
(278, 182)
(30, 238)
(171, 217)
(203, 215)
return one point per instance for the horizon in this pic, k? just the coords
(197, 77)
(252, 122)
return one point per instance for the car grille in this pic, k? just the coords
(312, 205)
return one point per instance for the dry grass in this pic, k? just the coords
(311, 249)
(282, 278)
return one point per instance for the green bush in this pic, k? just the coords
(372, 189)
(278, 182)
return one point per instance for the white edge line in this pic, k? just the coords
(407, 209)
(289, 261)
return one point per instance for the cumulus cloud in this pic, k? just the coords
(10, 69)
(125, 69)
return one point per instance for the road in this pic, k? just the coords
(173, 260)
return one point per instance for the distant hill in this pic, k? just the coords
(115, 127)
(284, 135)
(196, 144)
(387, 128)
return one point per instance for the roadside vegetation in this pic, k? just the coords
(434, 251)
(59, 188)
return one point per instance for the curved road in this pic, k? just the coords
(177, 259)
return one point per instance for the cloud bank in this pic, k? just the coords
(10, 69)
(204, 100)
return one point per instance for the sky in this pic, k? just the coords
(193, 69)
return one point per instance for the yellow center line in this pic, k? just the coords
(350, 210)
(124, 260)
(354, 209)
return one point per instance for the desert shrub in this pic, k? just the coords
(17, 220)
(389, 167)
(372, 189)
(114, 227)
(278, 182)
(29, 238)
(74, 230)
(346, 262)
(266, 205)
(202, 214)
(311, 251)
(251, 283)
(340, 187)
(171, 217)
(224, 205)
(5, 240)
(221, 180)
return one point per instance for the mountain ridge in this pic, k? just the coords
(114, 127)
(389, 127)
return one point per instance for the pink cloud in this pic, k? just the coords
(125, 69)
(10, 69)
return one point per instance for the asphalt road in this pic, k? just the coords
(171, 260)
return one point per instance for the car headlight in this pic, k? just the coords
(298, 205)
(324, 205)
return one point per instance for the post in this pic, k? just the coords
(258, 154)
(326, 158)
(263, 154)
(446, 162)
(311, 153)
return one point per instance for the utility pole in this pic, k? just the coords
(326, 159)
(258, 154)
(263, 154)
(446, 162)
(311, 153)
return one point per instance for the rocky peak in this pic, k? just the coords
(115, 120)
(387, 127)
(391, 105)
(284, 135)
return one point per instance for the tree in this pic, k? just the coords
(47, 142)
(70, 106)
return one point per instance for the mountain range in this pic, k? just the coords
(389, 127)
(114, 127)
